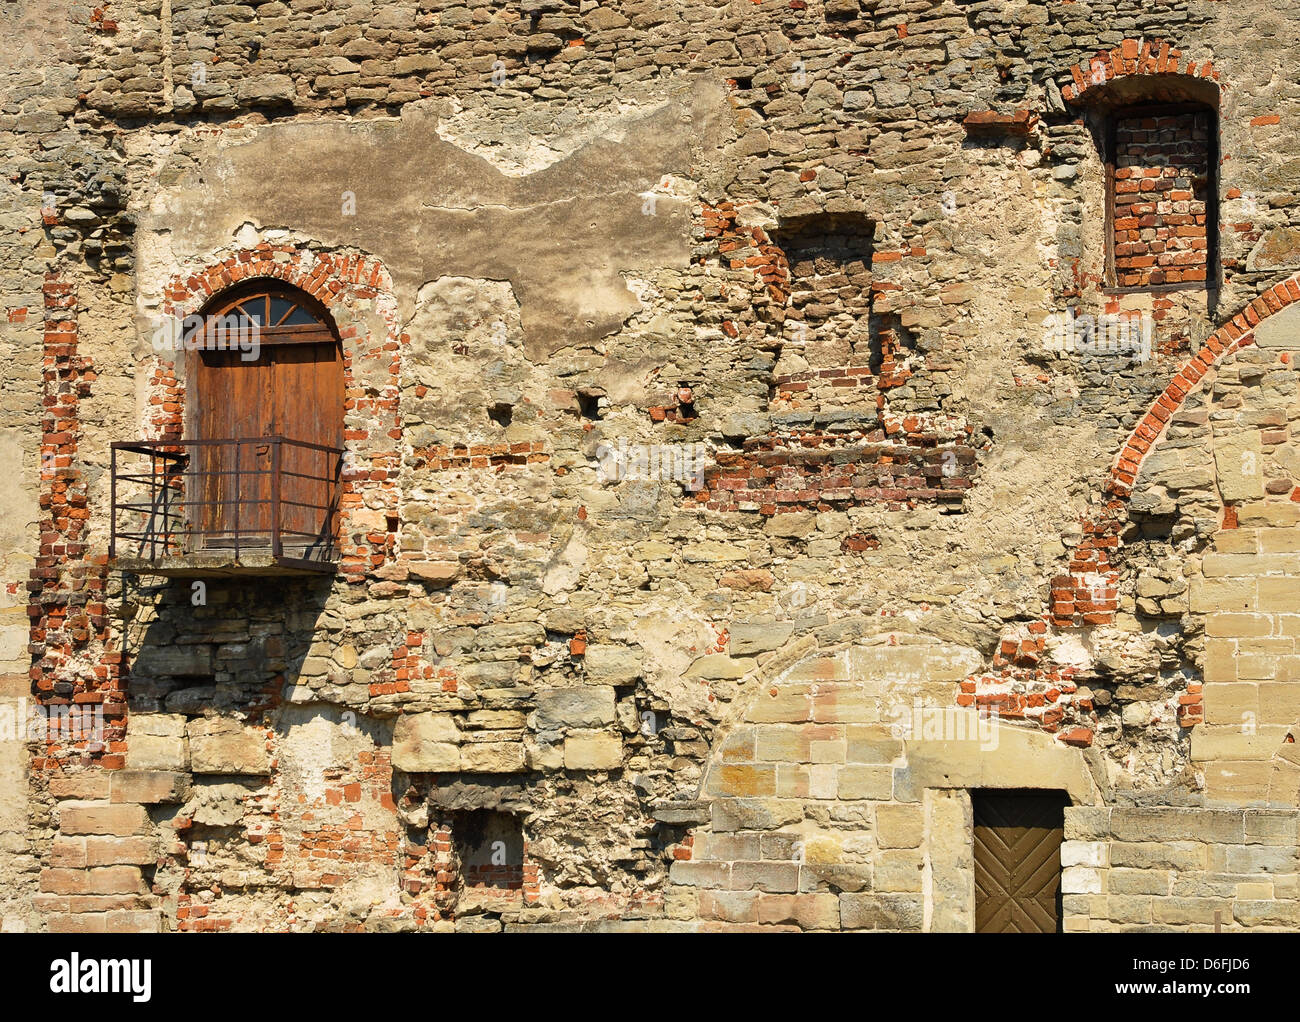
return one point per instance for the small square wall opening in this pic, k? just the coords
(490, 848)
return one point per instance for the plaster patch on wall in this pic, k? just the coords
(562, 235)
(543, 136)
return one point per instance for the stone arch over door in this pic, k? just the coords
(837, 790)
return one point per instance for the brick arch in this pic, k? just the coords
(72, 638)
(1075, 604)
(1086, 592)
(1236, 333)
(1130, 58)
(348, 284)
(324, 275)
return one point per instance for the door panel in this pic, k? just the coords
(234, 480)
(293, 389)
(308, 403)
(1018, 838)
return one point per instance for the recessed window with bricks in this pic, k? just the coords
(829, 256)
(490, 846)
(1161, 209)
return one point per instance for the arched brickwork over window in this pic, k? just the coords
(1143, 57)
(1155, 118)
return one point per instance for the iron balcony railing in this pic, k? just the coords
(240, 500)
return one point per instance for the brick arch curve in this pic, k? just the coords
(1086, 592)
(349, 285)
(1236, 333)
(1078, 605)
(324, 275)
(1130, 58)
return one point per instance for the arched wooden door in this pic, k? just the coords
(269, 366)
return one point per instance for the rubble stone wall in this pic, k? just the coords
(729, 384)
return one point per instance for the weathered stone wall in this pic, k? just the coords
(1222, 486)
(799, 256)
(1165, 868)
(839, 798)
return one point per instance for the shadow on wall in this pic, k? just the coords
(242, 738)
(230, 645)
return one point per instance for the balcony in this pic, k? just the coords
(252, 507)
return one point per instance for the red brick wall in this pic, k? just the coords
(73, 662)
(1162, 184)
(918, 459)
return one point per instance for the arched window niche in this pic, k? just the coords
(1158, 139)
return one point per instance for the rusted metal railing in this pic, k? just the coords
(263, 495)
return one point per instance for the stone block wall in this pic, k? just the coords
(840, 797)
(835, 804)
(1180, 868)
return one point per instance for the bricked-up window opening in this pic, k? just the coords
(490, 848)
(829, 256)
(1161, 197)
